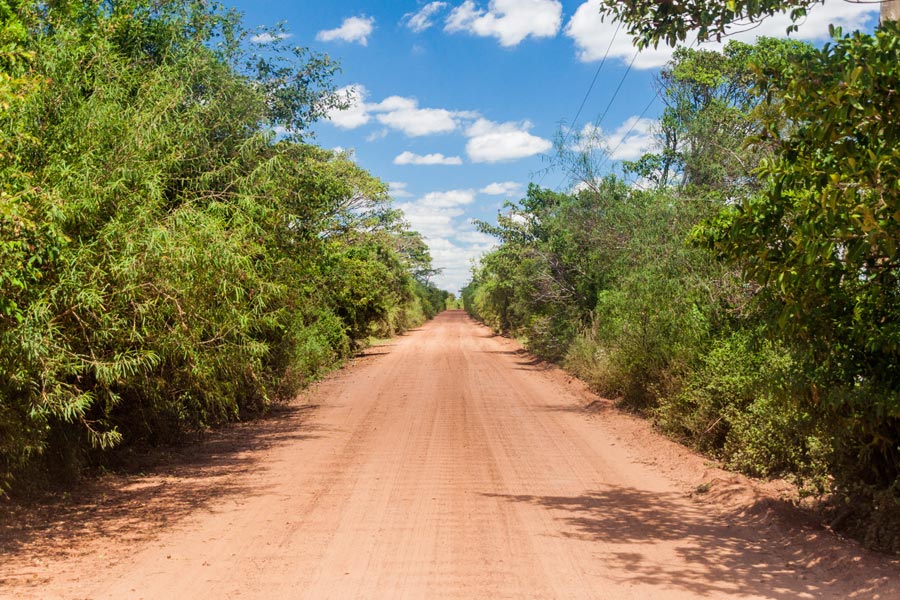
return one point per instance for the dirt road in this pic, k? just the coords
(445, 464)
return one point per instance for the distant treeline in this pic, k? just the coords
(744, 291)
(173, 253)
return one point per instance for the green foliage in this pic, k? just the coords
(166, 263)
(652, 22)
(712, 106)
(822, 238)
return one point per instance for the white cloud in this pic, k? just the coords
(504, 188)
(487, 141)
(396, 112)
(452, 239)
(421, 20)
(357, 114)
(404, 114)
(353, 29)
(848, 15)
(268, 38)
(455, 256)
(408, 158)
(510, 21)
(631, 140)
(377, 135)
(494, 142)
(398, 189)
(589, 138)
(434, 214)
(592, 35)
(431, 222)
(448, 199)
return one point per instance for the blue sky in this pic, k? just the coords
(457, 103)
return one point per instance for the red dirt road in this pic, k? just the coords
(445, 464)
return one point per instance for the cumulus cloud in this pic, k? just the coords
(356, 115)
(377, 135)
(429, 222)
(488, 142)
(592, 35)
(404, 114)
(503, 188)
(268, 38)
(421, 20)
(353, 29)
(398, 189)
(495, 142)
(455, 257)
(848, 15)
(631, 140)
(448, 199)
(435, 214)
(396, 112)
(454, 243)
(408, 158)
(510, 21)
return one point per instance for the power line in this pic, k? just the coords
(618, 88)
(611, 100)
(588, 93)
(627, 133)
(638, 120)
(596, 75)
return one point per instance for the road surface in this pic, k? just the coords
(444, 464)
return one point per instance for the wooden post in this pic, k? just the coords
(890, 10)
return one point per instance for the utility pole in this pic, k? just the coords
(890, 10)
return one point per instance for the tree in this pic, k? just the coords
(651, 22)
(711, 108)
(822, 238)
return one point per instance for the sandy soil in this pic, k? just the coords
(445, 464)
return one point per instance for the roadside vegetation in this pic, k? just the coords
(744, 293)
(174, 252)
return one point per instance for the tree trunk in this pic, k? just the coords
(890, 10)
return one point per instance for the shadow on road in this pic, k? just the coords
(736, 554)
(525, 360)
(137, 505)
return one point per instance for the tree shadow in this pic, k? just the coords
(374, 350)
(742, 553)
(156, 490)
(371, 354)
(594, 407)
(526, 361)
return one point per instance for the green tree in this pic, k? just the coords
(822, 239)
(651, 22)
(712, 106)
